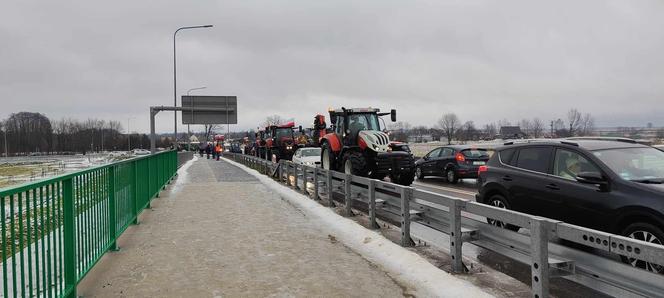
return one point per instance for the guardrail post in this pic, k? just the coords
(280, 168)
(406, 194)
(539, 246)
(316, 197)
(330, 198)
(371, 191)
(304, 180)
(112, 222)
(69, 231)
(455, 236)
(294, 176)
(348, 198)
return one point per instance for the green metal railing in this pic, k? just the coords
(54, 231)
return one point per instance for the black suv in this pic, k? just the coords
(452, 162)
(610, 185)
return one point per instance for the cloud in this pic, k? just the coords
(484, 60)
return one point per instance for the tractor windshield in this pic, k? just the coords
(283, 133)
(364, 121)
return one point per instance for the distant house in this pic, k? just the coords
(511, 132)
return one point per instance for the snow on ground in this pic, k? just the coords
(402, 264)
(183, 174)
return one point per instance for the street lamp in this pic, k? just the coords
(192, 113)
(175, 96)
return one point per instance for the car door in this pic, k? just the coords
(446, 157)
(528, 191)
(430, 160)
(579, 203)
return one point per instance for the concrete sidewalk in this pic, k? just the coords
(220, 232)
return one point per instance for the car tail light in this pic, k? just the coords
(460, 158)
(482, 169)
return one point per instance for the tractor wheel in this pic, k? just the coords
(327, 157)
(403, 178)
(355, 164)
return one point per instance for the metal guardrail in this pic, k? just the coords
(55, 230)
(596, 267)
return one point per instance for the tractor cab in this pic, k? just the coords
(281, 141)
(361, 127)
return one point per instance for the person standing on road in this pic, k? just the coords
(217, 150)
(208, 149)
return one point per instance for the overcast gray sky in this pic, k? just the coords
(484, 60)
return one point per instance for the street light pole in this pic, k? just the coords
(175, 95)
(192, 113)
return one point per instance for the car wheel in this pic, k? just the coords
(648, 233)
(419, 174)
(500, 202)
(451, 176)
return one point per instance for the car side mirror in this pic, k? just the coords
(300, 128)
(393, 115)
(591, 178)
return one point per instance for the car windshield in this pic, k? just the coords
(365, 121)
(311, 152)
(284, 133)
(642, 164)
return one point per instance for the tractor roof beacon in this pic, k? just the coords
(357, 144)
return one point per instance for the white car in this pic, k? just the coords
(307, 156)
(141, 152)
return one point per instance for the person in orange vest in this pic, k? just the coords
(217, 149)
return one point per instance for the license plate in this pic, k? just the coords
(479, 163)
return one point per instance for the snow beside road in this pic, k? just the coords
(407, 267)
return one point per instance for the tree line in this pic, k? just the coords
(450, 127)
(27, 132)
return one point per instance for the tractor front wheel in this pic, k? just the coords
(327, 157)
(355, 164)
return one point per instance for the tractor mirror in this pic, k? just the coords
(333, 120)
(393, 115)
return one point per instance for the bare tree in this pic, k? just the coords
(587, 125)
(419, 131)
(209, 130)
(537, 129)
(449, 123)
(399, 131)
(504, 122)
(526, 127)
(468, 132)
(273, 120)
(574, 121)
(490, 131)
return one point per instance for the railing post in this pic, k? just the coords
(406, 193)
(134, 189)
(316, 197)
(330, 198)
(69, 231)
(112, 212)
(304, 181)
(281, 171)
(348, 198)
(371, 192)
(455, 236)
(539, 246)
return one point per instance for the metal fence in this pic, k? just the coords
(54, 231)
(593, 263)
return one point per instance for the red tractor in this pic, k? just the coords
(356, 144)
(280, 141)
